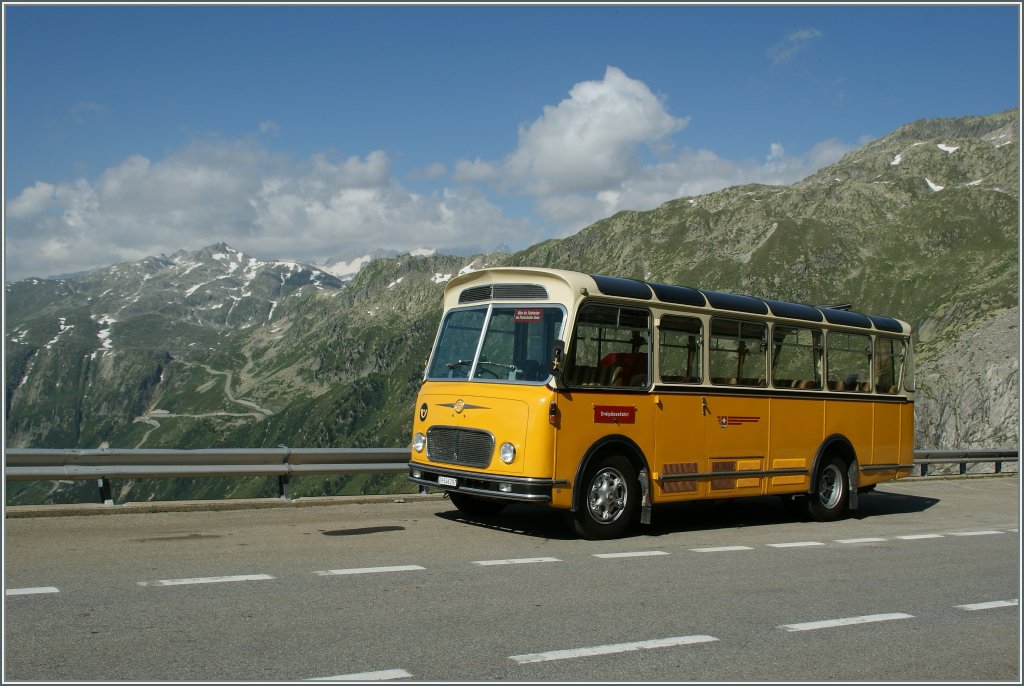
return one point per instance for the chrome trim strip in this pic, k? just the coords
(738, 475)
(497, 495)
(483, 476)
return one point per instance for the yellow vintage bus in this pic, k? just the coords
(603, 396)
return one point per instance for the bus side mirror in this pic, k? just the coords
(557, 358)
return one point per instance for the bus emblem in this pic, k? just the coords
(460, 405)
(423, 412)
(731, 420)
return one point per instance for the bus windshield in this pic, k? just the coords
(510, 343)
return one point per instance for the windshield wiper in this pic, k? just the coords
(510, 367)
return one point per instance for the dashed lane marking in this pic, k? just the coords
(610, 649)
(721, 549)
(918, 537)
(32, 591)
(991, 605)
(382, 675)
(861, 540)
(207, 580)
(640, 553)
(369, 570)
(795, 544)
(975, 533)
(845, 621)
(519, 561)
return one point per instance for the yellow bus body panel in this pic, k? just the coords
(516, 414)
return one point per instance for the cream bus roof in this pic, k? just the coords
(557, 285)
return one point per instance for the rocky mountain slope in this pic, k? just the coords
(220, 349)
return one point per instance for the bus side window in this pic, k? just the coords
(849, 362)
(679, 349)
(796, 357)
(888, 363)
(609, 347)
(738, 352)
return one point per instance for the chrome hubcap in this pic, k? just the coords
(830, 486)
(607, 496)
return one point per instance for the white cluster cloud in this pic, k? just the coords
(609, 146)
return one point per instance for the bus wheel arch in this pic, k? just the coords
(607, 493)
(834, 482)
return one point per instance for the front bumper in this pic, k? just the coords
(517, 488)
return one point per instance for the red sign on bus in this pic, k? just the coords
(525, 314)
(614, 414)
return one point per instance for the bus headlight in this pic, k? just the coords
(507, 453)
(419, 441)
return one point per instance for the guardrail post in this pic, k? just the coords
(999, 467)
(285, 479)
(924, 469)
(963, 468)
(105, 496)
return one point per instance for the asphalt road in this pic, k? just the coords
(922, 584)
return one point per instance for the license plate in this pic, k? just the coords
(446, 481)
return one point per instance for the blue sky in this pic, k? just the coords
(334, 131)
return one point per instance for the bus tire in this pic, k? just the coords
(832, 493)
(472, 505)
(609, 498)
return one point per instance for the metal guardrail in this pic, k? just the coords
(40, 464)
(28, 464)
(924, 458)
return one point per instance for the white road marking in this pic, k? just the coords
(860, 540)
(722, 549)
(845, 621)
(207, 580)
(610, 649)
(370, 570)
(917, 537)
(795, 544)
(32, 591)
(520, 561)
(991, 605)
(382, 675)
(974, 533)
(641, 553)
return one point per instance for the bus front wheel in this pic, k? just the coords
(609, 499)
(832, 494)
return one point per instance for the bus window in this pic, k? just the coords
(456, 344)
(609, 347)
(517, 346)
(849, 362)
(796, 357)
(889, 357)
(679, 349)
(738, 352)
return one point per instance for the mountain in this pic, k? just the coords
(219, 349)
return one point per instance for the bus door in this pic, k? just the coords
(606, 375)
(679, 413)
(736, 411)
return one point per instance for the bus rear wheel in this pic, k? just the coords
(832, 494)
(609, 499)
(472, 505)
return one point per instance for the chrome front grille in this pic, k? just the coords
(469, 447)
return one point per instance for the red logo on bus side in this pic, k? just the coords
(614, 414)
